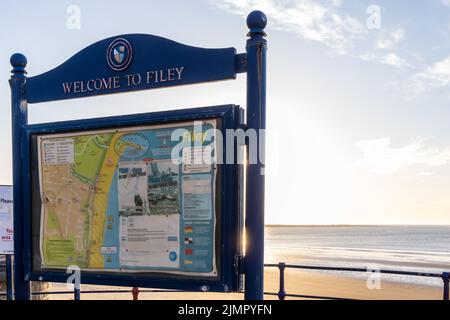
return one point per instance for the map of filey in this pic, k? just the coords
(115, 200)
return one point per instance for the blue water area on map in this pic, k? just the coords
(131, 152)
(111, 234)
(157, 143)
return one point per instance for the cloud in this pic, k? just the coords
(394, 60)
(432, 77)
(309, 19)
(426, 174)
(336, 3)
(391, 59)
(446, 3)
(381, 158)
(323, 22)
(388, 40)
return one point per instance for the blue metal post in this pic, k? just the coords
(256, 120)
(446, 280)
(9, 277)
(76, 294)
(19, 119)
(282, 291)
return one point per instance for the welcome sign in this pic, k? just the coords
(104, 195)
(132, 62)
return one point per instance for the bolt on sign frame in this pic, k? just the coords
(136, 62)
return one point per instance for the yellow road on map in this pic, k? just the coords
(100, 202)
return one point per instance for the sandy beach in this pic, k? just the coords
(297, 282)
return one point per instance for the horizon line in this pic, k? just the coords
(357, 225)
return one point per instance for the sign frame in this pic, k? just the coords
(162, 57)
(228, 278)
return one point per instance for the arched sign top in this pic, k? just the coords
(132, 62)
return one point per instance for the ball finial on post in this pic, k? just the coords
(256, 22)
(18, 62)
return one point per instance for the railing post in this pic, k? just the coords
(282, 291)
(76, 293)
(135, 293)
(256, 122)
(9, 280)
(446, 279)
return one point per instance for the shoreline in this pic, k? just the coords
(353, 225)
(368, 263)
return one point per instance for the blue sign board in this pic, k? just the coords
(131, 62)
(122, 178)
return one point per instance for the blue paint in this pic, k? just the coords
(256, 120)
(19, 117)
(9, 277)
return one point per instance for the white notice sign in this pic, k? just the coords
(6, 220)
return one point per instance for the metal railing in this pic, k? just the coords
(445, 276)
(282, 294)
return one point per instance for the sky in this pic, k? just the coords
(358, 101)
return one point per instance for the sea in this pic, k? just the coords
(406, 248)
